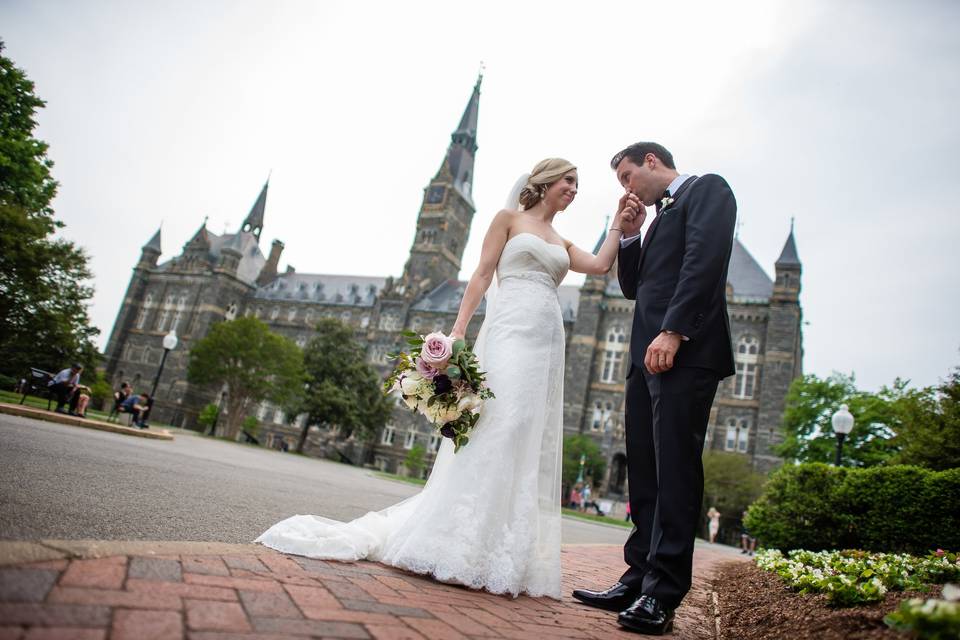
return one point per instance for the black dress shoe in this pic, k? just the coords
(616, 598)
(647, 615)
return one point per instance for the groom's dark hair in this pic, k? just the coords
(639, 150)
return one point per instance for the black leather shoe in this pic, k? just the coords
(616, 598)
(647, 615)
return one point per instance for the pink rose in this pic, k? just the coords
(426, 370)
(437, 349)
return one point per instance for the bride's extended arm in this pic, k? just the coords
(493, 244)
(583, 262)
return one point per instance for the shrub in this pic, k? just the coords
(895, 509)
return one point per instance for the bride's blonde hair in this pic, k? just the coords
(544, 174)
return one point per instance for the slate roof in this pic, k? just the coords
(749, 281)
(251, 261)
(358, 291)
(788, 257)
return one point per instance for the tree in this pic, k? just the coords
(342, 389)
(253, 362)
(729, 483)
(594, 465)
(208, 417)
(812, 401)
(414, 461)
(929, 434)
(43, 298)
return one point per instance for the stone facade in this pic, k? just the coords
(218, 277)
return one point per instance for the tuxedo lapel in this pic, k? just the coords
(656, 221)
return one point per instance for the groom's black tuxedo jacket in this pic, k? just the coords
(678, 275)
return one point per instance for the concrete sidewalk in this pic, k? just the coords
(206, 591)
(87, 423)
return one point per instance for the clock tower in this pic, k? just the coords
(443, 224)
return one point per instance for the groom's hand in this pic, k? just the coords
(661, 352)
(630, 215)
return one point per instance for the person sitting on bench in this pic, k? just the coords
(136, 406)
(119, 396)
(64, 387)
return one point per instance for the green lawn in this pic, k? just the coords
(602, 519)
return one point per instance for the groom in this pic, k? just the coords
(679, 350)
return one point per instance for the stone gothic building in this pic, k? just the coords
(218, 277)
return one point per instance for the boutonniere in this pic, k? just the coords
(665, 202)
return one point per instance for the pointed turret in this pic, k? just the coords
(788, 257)
(787, 284)
(254, 220)
(598, 282)
(151, 251)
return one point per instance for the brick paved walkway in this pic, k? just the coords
(134, 592)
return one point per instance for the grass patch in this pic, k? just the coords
(601, 519)
(41, 403)
(393, 476)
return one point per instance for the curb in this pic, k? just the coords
(74, 421)
(18, 552)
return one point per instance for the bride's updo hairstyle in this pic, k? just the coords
(543, 175)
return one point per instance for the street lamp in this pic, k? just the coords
(169, 344)
(842, 425)
(583, 461)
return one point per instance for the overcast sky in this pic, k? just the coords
(842, 115)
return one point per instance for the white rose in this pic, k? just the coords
(410, 401)
(469, 402)
(410, 383)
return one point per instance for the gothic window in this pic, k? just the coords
(435, 441)
(231, 311)
(278, 416)
(597, 416)
(165, 314)
(613, 350)
(274, 313)
(410, 440)
(453, 245)
(262, 411)
(145, 358)
(389, 322)
(345, 317)
(378, 354)
(141, 317)
(388, 435)
(178, 316)
(747, 358)
(738, 434)
(292, 314)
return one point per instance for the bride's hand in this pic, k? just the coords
(630, 216)
(456, 335)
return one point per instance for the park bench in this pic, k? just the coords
(37, 383)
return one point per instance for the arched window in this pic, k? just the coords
(738, 435)
(614, 348)
(747, 358)
(389, 432)
(597, 419)
(274, 313)
(178, 316)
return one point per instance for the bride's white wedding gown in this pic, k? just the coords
(489, 516)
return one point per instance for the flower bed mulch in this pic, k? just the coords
(756, 604)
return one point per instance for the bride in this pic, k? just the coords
(489, 516)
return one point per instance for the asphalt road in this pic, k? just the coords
(64, 482)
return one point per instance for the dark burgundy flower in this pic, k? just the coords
(442, 384)
(447, 431)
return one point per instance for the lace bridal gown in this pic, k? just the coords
(489, 516)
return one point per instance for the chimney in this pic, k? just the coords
(269, 271)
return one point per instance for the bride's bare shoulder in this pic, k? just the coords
(504, 219)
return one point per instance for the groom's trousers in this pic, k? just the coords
(666, 418)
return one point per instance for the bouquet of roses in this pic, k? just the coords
(439, 378)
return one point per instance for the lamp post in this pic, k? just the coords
(842, 425)
(169, 344)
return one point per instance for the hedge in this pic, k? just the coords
(894, 509)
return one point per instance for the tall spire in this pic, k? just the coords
(254, 221)
(154, 243)
(788, 257)
(463, 145)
